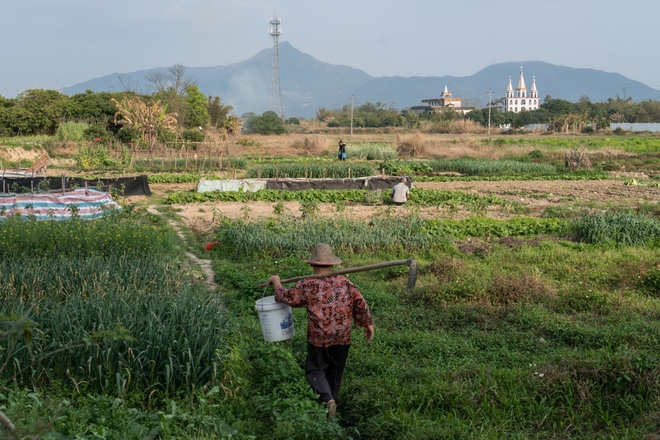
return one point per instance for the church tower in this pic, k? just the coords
(520, 101)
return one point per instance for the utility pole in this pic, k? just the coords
(490, 97)
(352, 99)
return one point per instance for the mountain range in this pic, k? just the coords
(308, 84)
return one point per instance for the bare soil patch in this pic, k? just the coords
(535, 196)
(539, 195)
(14, 154)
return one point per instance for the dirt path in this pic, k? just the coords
(203, 264)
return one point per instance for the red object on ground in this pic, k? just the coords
(211, 245)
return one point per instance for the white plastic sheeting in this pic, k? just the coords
(230, 185)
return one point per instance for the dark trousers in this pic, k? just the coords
(325, 369)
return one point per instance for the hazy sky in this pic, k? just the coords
(58, 43)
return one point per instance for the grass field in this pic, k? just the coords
(541, 327)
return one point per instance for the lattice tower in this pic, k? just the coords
(275, 88)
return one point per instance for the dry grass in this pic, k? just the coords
(577, 159)
(411, 146)
(310, 145)
(510, 289)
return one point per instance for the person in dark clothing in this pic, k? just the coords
(342, 150)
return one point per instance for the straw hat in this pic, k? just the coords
(322, 256)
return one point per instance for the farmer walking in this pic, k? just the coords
(400, 192)
(331, 302)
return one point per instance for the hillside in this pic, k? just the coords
(308, 84)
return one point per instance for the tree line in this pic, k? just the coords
(559, 114)
(131, 117)
(584, 115)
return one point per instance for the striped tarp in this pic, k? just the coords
(83, 203)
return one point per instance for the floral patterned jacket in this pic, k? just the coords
(331, 302)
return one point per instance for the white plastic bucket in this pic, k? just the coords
(276, 319)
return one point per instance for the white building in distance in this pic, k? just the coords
(518, 100)
(446, 102)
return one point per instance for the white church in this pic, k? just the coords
(519, 100)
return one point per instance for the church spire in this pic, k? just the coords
(534, 91)
(521, 81)
(521, 90)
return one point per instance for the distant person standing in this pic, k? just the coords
(400, 192)
(342, 150)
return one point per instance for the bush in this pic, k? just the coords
(97, 133)
(535, 154)
(371, 151)
(128, 134)
(93, 157)
(193, 135)
(71, 131)
(651, 282)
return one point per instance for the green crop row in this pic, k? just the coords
(311, 170)
(578, 175)
(21, 237)
(425, 197)
(371, 151)
(279, 237)
(470, 167)
(270, 195)
(438, 197)
(486, 227)
(176, 178)
(114, 307)
(204, 162)
(621, 229)
(632, 144)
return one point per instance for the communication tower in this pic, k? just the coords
(275, 89)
